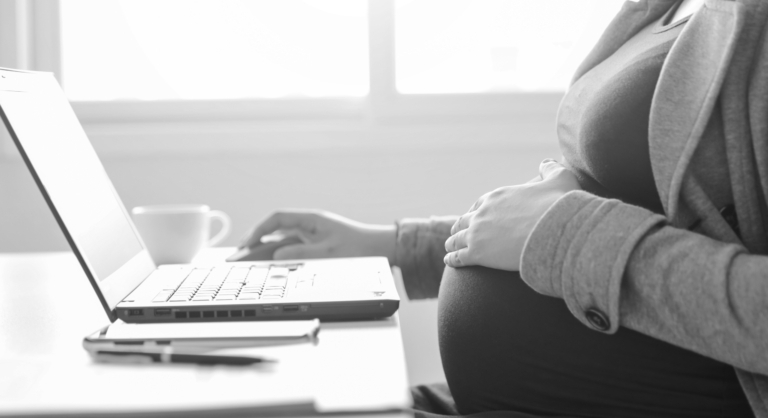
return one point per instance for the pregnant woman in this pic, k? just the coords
(629, 279)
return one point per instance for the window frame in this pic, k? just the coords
(30, 39)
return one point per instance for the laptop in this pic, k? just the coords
(129, 285)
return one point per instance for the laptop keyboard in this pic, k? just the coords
(225, 283)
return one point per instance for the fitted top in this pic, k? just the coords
(602, 123)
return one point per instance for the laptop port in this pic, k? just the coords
(222, 314)
(135, 312)
(290, 308)
(180, 315)
(249, 312)
(194, 314)
(162, 311)
(208, 314)
(235, 313)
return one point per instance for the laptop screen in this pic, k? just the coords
(70, 174)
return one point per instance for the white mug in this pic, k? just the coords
(174, 234)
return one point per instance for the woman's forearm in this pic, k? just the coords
(607, 257)
(419, 253)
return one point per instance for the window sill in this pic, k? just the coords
(169, 129)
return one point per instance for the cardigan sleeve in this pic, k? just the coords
(419, 252)
(617, 264)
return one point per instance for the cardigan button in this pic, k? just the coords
(598, 319)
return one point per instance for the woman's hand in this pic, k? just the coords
(324, 234)
(494, 231)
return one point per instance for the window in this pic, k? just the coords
(214, 49)
(480, 46)
(211, 60)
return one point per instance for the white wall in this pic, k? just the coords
(388, 172)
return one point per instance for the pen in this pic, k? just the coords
(149, 357)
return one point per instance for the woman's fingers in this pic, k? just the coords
(559, 175)
(302, 221)
(455, 226)
(290, 252)
(477, 203)
(458, 250)
(460, 258)
(549, 168)
(462, 223)
(534, 180)
(456, 241)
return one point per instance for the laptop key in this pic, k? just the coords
(231, 286)
(170, 278)
(163, 296)
(272, 292)
(254, 284)
(238, 274)
(218, 274)
(257, 273)
(224, 297)
(178, 299)
(278, 272)
(197, 275)
(202, 298)
(248, 296)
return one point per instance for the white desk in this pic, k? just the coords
(47, 306)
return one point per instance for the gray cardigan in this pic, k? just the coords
(687, 277)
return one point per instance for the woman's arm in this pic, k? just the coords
(419, 253)
(415, 245)
(323, 234)
(605, 257)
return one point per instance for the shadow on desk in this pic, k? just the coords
(376, 323)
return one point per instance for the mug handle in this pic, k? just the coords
(225, 226)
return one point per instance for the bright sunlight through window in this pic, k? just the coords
(240, 49)
(213, 49)
(474, 46)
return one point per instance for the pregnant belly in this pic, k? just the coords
(506, 347)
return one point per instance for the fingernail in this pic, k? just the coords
(548, 160)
